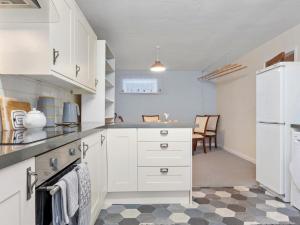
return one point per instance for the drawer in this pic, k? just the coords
(169, 134)
(164, 153)
(164, 178)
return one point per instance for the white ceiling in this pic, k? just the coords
(193, 34)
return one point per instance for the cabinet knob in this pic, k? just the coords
(164, 132)
(164, 145)
(72, 151)
(55, 55)
(164, 170)
(54, 163)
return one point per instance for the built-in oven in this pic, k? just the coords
(50, 167)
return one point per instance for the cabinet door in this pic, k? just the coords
(62, 39)
(15, 209)
(82, 51)
(122, 160)
(91, 147)
(93, 82)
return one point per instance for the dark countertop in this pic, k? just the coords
(12, 154)
(151, 125)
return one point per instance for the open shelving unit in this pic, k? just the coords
(109, 84)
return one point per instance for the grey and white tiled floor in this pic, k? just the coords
(212, 206)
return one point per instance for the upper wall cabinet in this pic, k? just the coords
(61, 51)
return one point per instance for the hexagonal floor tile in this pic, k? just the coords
(218, 204)
(146, 208)
(212, 217)
(116, 209)
(146, 218)
(129, 221)
(236, 208)
(193, 213)
(179, 218)
(224, 212)
(241, 188)
(198, 194)
(176, 208)
(275, 203)
(239, 197)
(194, 205)
(278, 216)
(130, 213)
(232, 221)
(223, 194)
(161, 213)
(250, 223)
(113, 218)
(164, 221)
(202, 200)
(198, 221)
(206, 208)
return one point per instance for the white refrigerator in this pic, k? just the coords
(277, 107)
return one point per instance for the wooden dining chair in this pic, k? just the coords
(199, 133)
(212, 127)
(150, 118)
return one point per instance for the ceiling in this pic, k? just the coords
(192, 34)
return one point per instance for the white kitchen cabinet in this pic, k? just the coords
(91, 154)
(59, 51)
(62, 40)
(15, 209)
(122, 160)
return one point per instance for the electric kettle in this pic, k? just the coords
(71, 113)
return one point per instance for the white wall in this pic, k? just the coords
(183, 96)
(236, 101)
(26, 89)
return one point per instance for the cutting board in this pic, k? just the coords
(12, 113)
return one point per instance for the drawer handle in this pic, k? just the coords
(72, 151)
(54, 164)
(164, 145)
(164, 132)
(164, 170)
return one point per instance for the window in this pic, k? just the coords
(140, 86)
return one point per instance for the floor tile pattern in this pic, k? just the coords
(211, 206)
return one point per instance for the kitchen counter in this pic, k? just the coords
(150, 125)
(12, 154)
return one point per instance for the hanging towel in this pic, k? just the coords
(59, 205)
(295, 168)
(84, 214)
(71, 180)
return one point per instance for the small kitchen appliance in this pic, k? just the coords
(71, 113)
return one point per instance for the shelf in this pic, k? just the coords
(108, 68)
(108, 84)
(107, 100)
(109, 54)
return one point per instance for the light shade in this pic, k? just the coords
(158, 67)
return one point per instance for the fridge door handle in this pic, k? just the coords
(271, 123)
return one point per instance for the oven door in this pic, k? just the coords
(44, 198)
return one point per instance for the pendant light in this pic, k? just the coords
(157, 66)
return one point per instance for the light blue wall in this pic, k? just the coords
(183, 96)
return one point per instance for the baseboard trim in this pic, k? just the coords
(241, 155)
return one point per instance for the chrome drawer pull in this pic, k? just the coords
(164, 145)
(164, 132)
(72, 151)
(164, 170)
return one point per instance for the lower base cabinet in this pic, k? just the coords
(149, 160)
(15, 209)
(94, 154)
